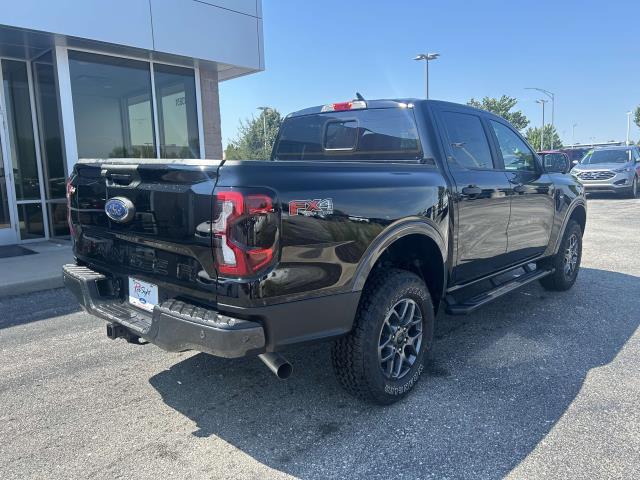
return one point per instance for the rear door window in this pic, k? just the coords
(370, 134)
(468, 140)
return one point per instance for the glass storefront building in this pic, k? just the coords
(66, 96)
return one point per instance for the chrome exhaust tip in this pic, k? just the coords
(277, 364)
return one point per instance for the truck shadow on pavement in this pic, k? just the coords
(52, 303)
(499, 381)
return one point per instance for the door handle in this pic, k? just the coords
(115, 179)
(471, 190)
(120, 178)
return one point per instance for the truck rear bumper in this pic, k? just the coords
(174, 325)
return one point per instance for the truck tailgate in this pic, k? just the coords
(167, 240)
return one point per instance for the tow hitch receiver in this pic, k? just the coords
(115, 330)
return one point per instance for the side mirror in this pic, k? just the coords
(556, 163)
(575, 162)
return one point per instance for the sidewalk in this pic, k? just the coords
(32, 273)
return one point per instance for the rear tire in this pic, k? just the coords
(566, 263)
(633, 191)
(382, 358)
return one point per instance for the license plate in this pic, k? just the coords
(143, 294)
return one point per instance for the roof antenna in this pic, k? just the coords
(359, 97)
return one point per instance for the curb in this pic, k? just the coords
(31, 286)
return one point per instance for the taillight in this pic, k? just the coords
(245, 232)
(70, 190)
(342, 106)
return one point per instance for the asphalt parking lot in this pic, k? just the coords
(537, 385)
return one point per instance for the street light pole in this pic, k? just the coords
(542, 102)
(426, 57)
(426, 79)
(552, 96)
(628, 127)
(264, 126)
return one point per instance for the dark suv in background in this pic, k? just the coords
(576, 154)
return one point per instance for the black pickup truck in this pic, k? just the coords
(369, 218)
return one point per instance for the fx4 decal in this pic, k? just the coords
(308, 208)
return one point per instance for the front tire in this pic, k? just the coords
(633, 191)
(382, 358)
(566, 263)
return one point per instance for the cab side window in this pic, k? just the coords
(469, 142)
(516, 154)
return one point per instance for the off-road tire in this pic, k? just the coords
(559, 280)
(355, 356)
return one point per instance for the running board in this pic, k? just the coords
(470, 304)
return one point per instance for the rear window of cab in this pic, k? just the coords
(368, 134)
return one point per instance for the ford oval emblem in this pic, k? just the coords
(120, 209)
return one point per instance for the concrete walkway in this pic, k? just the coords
(32, 273)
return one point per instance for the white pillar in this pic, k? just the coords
(210, 108)
(199, 107)
(66, 108)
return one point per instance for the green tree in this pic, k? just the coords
(250, 143)
(533, 137)
(636, 116)
(502, 106)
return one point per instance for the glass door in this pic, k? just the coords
(22, 148)
(7, 225)
(54, 169)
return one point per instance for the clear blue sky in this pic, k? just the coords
(317, 52)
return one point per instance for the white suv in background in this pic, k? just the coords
(610, 169)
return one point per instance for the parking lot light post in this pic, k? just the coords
(628, 127)
(264, 126)
(542, 102)
(426, 57)
(552, 96)
(573, 134)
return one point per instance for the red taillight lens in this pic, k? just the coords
(244, 232)
(70, 191)
(339, 107)
(342, 106)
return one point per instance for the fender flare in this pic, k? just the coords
(565, 221)
(389, 236)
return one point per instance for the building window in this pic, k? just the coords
(177, 111)
(31, 221)
(5, 218)
(112, 106)
(53, 163)
(23, 147)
